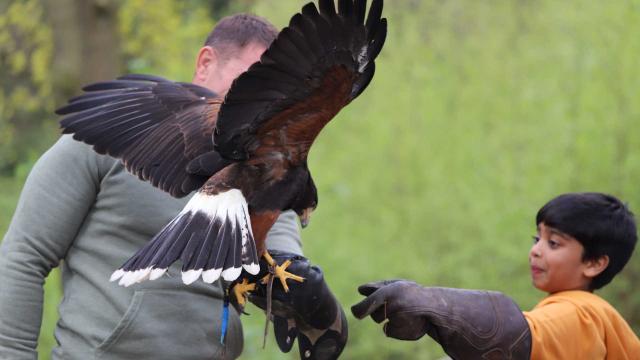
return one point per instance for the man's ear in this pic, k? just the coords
(206, 63)
(596, 266)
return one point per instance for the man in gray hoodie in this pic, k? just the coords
(87, 210)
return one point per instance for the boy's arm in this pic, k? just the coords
(468, 324)
(579, 325)
(56, 197)
(551, 325)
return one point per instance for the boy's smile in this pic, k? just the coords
(556, 262)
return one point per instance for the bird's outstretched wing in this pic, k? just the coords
(316, 65)
(265, 127)
(157, 127)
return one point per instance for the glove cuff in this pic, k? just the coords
(472, 324)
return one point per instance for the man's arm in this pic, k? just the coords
(308, 312)
(56, 197)
(284, 235)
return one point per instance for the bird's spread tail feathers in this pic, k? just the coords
(212, 236)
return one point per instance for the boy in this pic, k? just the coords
(583, 241)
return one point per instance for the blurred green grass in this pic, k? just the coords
(478, 114)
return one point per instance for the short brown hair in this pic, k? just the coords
(237, 31)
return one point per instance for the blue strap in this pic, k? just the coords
(225, 318)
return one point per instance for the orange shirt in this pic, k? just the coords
(579, 325)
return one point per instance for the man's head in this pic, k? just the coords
(234, 44)
(583, 241)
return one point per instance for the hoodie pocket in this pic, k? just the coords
(168, 324)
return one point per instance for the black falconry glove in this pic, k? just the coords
(309, 311)
(468, 324)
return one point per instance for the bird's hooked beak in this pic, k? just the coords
(305, 217)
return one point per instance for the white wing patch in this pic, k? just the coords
(215, 237)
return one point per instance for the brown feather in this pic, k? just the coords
(293, 131)
(261, 222)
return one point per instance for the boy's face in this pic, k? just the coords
(556, 262)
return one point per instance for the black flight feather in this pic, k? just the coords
(335, 38)
(154, 125)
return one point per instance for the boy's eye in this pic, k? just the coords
(553, 244)
(536, 238)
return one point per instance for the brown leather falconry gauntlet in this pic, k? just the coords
(468, 324)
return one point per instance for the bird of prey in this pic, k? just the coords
(245, 155)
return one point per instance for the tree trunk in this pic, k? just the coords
(86, 43)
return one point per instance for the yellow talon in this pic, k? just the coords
(241, 291)
(280, 273)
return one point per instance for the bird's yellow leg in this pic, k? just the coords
(241, 291)
(280, 272)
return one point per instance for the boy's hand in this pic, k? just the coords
(399, 301)
(467, 324)
(309, 311)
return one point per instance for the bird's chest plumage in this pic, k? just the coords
(275, 187)
(268, 184)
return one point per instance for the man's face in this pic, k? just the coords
(226, 70)
(556, 261)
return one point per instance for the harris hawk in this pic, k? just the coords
(244, 155)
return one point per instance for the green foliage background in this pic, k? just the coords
(25, 89)
(478, 114)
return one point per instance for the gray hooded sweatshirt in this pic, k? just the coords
(84, 212)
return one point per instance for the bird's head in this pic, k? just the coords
(305, 217)
(307, 201)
